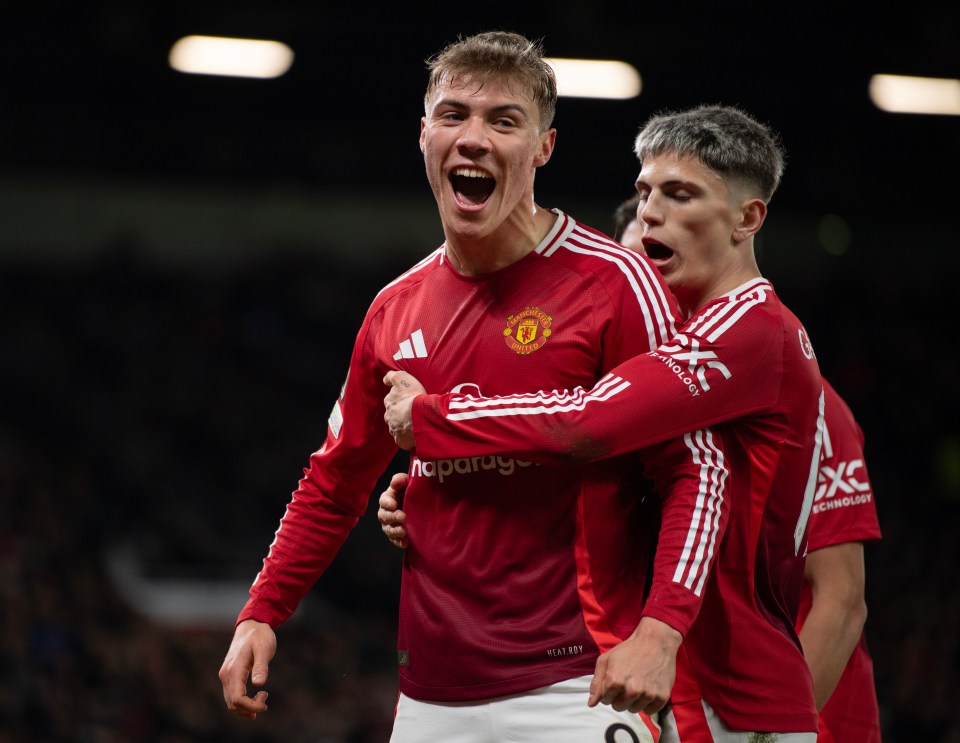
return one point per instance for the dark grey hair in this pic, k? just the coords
(724, 138)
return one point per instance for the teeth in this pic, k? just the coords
(470, 173)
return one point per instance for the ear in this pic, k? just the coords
(547, 141)
(752, 214)
(423, 131)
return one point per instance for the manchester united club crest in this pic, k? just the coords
(527, 330)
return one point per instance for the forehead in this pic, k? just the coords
(470, 88)
(670, 166)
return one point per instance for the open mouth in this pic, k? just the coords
(471, 186)
(657, 251)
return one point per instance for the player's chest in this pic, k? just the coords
(499, 337)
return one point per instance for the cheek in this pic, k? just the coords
(433, 171)
(520, 162)
(703, 228)
(432, 154)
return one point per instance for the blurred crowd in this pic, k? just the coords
(173, 412)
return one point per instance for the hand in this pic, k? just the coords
(253, 647)
(399, 404)
(390, 516)
(638, 674)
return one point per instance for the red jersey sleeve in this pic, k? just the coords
(334, 490)
(695, 510)
(844, 509)
(724, 364)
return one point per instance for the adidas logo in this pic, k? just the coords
(411, 348)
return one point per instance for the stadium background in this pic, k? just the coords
(184, 262)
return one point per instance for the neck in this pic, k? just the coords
(694, 299)
(512, 240)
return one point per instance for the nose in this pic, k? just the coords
(473, 135)
(648, 211)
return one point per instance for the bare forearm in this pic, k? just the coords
(829, 635)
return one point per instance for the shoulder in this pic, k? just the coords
(840, 421)
(409, 280)
(836, 406)
(751, 324)
(751, 311)
(630, 281)
(584, 248)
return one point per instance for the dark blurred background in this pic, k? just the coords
(185, 260)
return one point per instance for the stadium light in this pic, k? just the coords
(915, 95)
(595, 78)
(214, 55)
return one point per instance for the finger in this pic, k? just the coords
(248, 707)
(633, 701)
(235, 696)
(396, 536)
(387, 502)
(391, 516)
(234, 687)
(394, 532)
(395, 379)
(596, 692)
(398, 484)
(259, 673)
(646, 703)
(612, 693)
(596, 683)
(612, 698)
(651, 705)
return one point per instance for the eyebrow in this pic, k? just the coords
(672, 182)
(503, 108)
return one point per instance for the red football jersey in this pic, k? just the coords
(515, 575)
(844, 511)
(730, 554)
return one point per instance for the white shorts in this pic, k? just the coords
(697, 722)
(557, 713)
